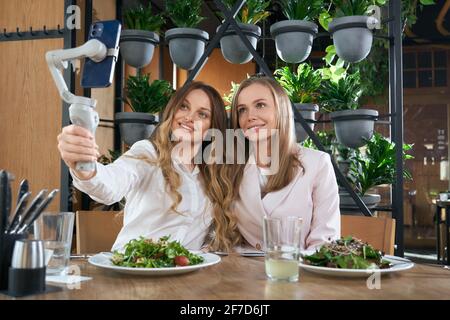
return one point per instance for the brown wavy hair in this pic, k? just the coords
(289, 162)
(215, 182)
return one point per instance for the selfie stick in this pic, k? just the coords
(82, 110)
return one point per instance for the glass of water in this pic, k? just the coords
(282, 247)
(55, 229)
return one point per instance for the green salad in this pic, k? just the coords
(146, 253)
(347, 253)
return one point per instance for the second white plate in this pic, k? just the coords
(398, 265)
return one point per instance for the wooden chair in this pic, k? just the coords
(96, 231)
(378, 232)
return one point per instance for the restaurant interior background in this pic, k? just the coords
(31, 109)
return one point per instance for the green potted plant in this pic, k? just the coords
(138, 40)
(146, 100)
(340, 98)
(294, 37)
(302, 88)
(351, 28)
(186, 43)
(372, 168)
(252, 12)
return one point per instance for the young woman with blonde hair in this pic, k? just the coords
(290, 180)
(166, 192)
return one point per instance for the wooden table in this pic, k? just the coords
(238, 278)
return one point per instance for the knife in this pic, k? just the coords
(24, 188)
(35, 214)
(34, 204)
(20, 208)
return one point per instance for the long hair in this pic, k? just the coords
(289, 162)
(215, 183)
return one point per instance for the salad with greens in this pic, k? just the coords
(147, 253)
(347, 253)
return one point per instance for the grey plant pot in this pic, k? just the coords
(135, 126)
(137, 47)
(370, 200)
(186, 46)
(293, 39)
(307, 110)
(353, 126)
(352, 37)
(232, 47)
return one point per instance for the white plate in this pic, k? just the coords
(103, 260)
(398, 264)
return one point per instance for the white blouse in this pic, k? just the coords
(147, 210)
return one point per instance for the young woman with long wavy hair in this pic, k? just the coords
(166, 192)
(278, 177)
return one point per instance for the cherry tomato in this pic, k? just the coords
(181, 261)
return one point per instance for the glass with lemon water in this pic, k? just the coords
(282, 247)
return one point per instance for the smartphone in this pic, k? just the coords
(100, 74)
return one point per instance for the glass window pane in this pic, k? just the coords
(440, 59)
(440, 78)
(424, 59)
(425, 79)
(409, 60)
(409, 79)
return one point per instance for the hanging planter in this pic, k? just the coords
(137, 47)
(232, 47)
(293, 39)
(352, 37)
(370, 200)
(354, 127)
(135, 126)
(138, 41)
(147, 100)
(186, 46)
(186, 43)
(308, 111)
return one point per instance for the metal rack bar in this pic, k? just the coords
(396, 107)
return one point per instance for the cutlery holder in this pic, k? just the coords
(6, 252)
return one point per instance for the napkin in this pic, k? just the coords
(66, 279)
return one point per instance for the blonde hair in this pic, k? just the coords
(215, 182)
(289, 152)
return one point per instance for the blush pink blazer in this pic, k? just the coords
(312, 195)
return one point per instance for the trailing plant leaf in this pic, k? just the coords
(301, 86)
(302, 9)
(228, 98)
(324, 19)
(341, 95)
(143, 96)
(141, 18)
(377, 165)
(185, 13)
(252, 12)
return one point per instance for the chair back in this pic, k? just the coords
(378, 232)
(96, 231)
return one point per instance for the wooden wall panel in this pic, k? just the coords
(30, 115)
(31, 13)
(219, 73)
